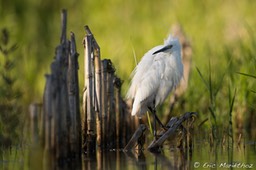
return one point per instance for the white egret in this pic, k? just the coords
(157, 74)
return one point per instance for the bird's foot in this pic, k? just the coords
(165, 128)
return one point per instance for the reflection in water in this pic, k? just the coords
(174, 159)
(138, 158)
(203, 157)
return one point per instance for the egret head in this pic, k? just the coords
(170, 44)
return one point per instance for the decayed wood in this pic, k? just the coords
(63, 124)
(88, 82)
(63, 26)
(47, 114)
(104, 64)
(136, 137)
(110, 102)
(84, 119)
(47, 122)
(74, 106)
(46, 111)
(55, 97)
(105, 103)
(78, 116)
(102, 102)
(97, 87)
(98, 91)
(172, 126)
(98, 94)
(118, 105)
(61, 100)
(61, 113)
(124, 137)
(91, 121)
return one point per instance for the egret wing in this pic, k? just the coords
(148, 85)
(144, 65)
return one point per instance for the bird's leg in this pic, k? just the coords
(153, 110)
(160, 123)
(155, 118)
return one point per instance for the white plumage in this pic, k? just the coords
(157, 74)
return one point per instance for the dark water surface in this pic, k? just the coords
(202, 156)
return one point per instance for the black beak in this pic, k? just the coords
(163, 49)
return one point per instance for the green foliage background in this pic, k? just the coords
(221, 33)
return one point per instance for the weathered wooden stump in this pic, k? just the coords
(137, 138)
(173, 124)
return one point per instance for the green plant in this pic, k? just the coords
(213, 90)
(10, 108)
(248, 75)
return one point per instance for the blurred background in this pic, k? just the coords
(221, 33)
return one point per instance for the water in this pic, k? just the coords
(202, 156)
(225, 157)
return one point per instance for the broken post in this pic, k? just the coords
(136, 137)
(118, 107)
(110, 108)
(98, 91)
(172, 126)
(74, 106)
(91, 135)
